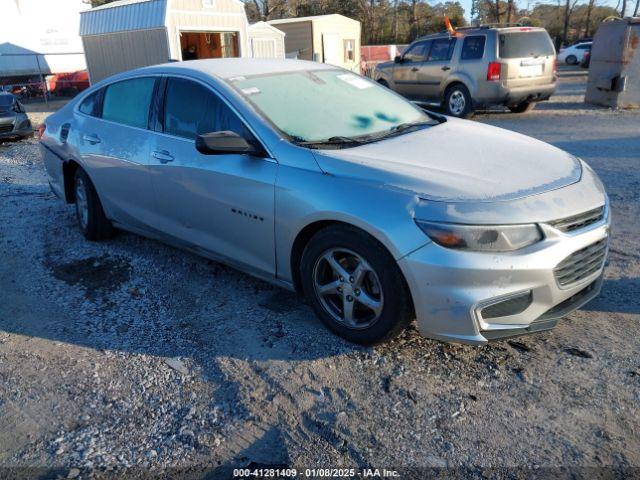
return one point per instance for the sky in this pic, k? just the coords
(466, 4)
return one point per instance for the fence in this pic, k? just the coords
(374, 54)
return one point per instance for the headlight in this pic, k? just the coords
(483, 238)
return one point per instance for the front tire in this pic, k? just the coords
(355, 286)
(92, 221)
(458, 102)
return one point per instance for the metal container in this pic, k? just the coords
(614, 72)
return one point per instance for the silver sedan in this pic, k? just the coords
(322, 181)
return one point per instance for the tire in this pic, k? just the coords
(457, 101)
(523, 107)
(571, 60)
(383, 83)
(92, 221)
(382, 286)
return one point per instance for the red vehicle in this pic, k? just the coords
(66, 84)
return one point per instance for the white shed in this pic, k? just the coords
(265, 41)
(333, 39)
(129, 34)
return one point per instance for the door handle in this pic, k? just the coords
(92, 139)
(163, 156)
(445, 68)
(415, 69)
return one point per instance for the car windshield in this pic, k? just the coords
(329, 106)
(525, 44)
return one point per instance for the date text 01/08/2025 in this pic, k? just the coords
(314, 473)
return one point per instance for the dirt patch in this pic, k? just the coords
(94, 274)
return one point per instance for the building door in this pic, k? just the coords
(332, 49)
(263, 48)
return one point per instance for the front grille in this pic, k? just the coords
(581, 220)
(6, 128)
(581, 264)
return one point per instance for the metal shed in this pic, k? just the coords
(265, 41)
(614, 70)
(129, 34)
(333, 39)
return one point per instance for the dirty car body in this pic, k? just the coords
(492, 233)
(14, 122)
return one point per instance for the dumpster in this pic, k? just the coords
(614, 72)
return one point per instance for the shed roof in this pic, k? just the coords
(309, 19)
(123, 15)
(258, 25)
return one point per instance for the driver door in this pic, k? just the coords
(405, 73)
(223, 204)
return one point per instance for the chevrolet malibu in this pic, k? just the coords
(326, 183)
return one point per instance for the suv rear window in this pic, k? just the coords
(473, 48)
(525, 44)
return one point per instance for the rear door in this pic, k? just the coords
(405, 73)
(527, 56)
(435, 69)
(217, 203)
(113, 139)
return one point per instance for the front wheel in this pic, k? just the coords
(523, 107)
(355, 286)
(457, 101)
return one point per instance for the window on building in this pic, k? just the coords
(128, 102)
(473, 48)
(349, 50)
(208, 3)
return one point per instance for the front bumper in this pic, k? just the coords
(23, 131)
(450, 288)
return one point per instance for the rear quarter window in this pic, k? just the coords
(525, 44)
(473, 48)
(92, 105)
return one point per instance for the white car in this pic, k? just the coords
(574, 54)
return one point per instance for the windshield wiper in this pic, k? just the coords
(408, 125)
(331, 141)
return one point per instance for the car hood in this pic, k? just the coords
(458, 160)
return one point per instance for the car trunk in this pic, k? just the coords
(527, 57)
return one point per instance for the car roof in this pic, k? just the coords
(481, 29)
(236, 67)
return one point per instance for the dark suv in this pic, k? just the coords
(474, 68)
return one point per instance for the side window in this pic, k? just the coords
(442, 49)
(416, 52)
(473, 48)
(92, 104)
(191, 109)
(584, 47)
(128, 102)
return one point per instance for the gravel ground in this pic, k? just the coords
(130, 353)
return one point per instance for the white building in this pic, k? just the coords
(41, 32)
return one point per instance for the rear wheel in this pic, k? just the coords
(355, 286)
(523, 107)
(92, 221)
(383, 83)
(571, 60)
(457, 101)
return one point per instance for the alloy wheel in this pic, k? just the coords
(348, 288)
(457, 102)
(82, 204)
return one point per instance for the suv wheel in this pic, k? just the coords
(355, 286)
(523, 107)
(92, 221)
(457, 101)
(571, 60)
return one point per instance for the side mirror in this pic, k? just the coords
(223, 143)
(397, 59)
